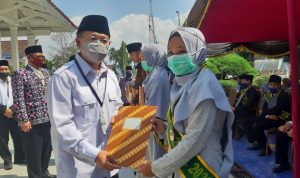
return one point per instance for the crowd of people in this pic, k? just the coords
(261, 110)
(72, 110)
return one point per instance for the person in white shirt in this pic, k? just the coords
(7, 122)
(83, 96)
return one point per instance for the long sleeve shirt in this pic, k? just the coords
(29, 95)
(79, 128)
(202, 135)
(6, 98)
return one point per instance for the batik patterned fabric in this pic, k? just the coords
(128, 146)
(29, 95)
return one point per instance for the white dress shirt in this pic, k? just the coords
(75, 115)
(6, 97)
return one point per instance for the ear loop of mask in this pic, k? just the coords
(197, 51)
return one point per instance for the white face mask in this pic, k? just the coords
(95, 51)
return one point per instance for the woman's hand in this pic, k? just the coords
(158, 126)
(146, 169)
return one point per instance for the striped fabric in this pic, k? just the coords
(128, 146)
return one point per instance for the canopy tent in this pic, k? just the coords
(261, 26)
(30, 18)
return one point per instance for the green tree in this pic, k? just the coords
(49, 65)
(65, 47)
(232, 65)
(124, 57)
(212, 67)
(119, 57)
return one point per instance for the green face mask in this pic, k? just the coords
(181, 64)
(146, 67)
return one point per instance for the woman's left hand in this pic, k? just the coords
(158, 126)
(145, 169)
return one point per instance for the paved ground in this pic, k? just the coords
(20, 171)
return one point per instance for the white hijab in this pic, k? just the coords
(156, 83)
(190, 90)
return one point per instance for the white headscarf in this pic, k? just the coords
(190, 90)
(156, 84)
(194, 41)
(155, 55)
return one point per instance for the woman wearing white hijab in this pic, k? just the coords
(200, 117)
(156, 84)
(157, 91)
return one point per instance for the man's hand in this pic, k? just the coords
(145, 169)
(272, 117)
(8, 113)
(284, 128)
(113, 120)
(290, 133)
(158, 126)
(26, 126)
(106, 161)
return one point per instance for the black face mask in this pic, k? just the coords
(244, 85)
(3, 75)
(137, 65)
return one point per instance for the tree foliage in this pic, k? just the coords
(212, 67)
(65, 48)
(230, 66)
(119, 57)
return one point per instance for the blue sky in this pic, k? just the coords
(116, 9)
(128, 19)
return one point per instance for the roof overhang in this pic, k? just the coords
(33, 17)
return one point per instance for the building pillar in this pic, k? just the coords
(14, 47)
(0, 47)
(31, 40)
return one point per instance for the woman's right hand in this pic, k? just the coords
(158, 126)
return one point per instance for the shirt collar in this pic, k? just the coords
(3, 81)
(86, 68)
(32, 68)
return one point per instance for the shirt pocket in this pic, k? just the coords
(113, 103)
(112, 97)
(85, 108)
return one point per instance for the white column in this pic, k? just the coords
(31, 40)
(0, 47)
(14, 47)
